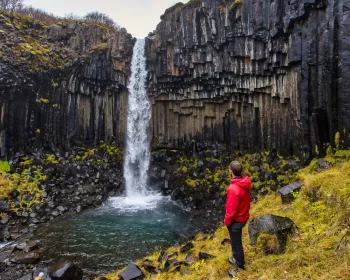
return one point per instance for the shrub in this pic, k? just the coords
(101, 18)
(11, 5)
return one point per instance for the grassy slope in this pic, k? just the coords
(315, 250)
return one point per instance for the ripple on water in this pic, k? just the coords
(111, 236)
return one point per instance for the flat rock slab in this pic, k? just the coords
(25, 258)
(132, 272)
(286, 192)
(65, 271)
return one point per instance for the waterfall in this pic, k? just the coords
(137, 154)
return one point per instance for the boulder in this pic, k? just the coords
(170, 263)
(25, 258)
(323, 164)
(26, 277)
(31, 246)
(287, 192)
(280, 226)
(132, 272)
(65, 271)
(186, 248)
(176, 194)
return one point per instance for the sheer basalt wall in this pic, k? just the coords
(253, 74)
(61, 84)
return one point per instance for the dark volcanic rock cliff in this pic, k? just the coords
(61, 83)
(257, 75)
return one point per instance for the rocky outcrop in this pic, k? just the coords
(61, 83)
(252, 74)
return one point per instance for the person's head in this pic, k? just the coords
(235, 169)
(41, 274)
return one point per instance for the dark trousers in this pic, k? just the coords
(235, 231)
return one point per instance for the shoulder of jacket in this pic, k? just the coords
(232, 187)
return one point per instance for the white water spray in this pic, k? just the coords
(137, 154)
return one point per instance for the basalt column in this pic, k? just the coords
(253, 75)
(61, 85)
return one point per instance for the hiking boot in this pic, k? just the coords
(232, 261)
(232, 273)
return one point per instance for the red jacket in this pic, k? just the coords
(238, 201)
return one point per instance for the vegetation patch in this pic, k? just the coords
(319, 249)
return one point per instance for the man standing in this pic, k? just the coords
(237, 214)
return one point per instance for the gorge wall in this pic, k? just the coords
(253, 74)
(61, 84)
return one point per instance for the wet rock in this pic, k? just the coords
(205, 256)
(132, 272)
(4, 255)
(25, 258)
(89, 189)
(21, 246)
(65, 271)
(55, 213)
(287, 192)
(61, 209)
(4, 221)
(281, 227)
(31, 246)
(187, 247)
(176, 194)
(27, 277)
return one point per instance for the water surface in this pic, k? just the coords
(102, 239)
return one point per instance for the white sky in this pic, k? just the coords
(139, 17)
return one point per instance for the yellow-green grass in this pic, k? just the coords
(319, 249)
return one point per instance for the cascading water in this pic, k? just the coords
(137, 154)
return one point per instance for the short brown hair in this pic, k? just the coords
(236, 168)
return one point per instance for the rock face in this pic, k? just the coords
(257, 75)
(61, 83)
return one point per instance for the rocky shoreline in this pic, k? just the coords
(194, 178)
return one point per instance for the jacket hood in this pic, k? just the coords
(243, 183)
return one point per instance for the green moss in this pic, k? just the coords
(51, 158)
(103, 47)
(4, 167)
(342, 154)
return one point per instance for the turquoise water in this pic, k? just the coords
(103, 239)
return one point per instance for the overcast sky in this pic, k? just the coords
(139, 17)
